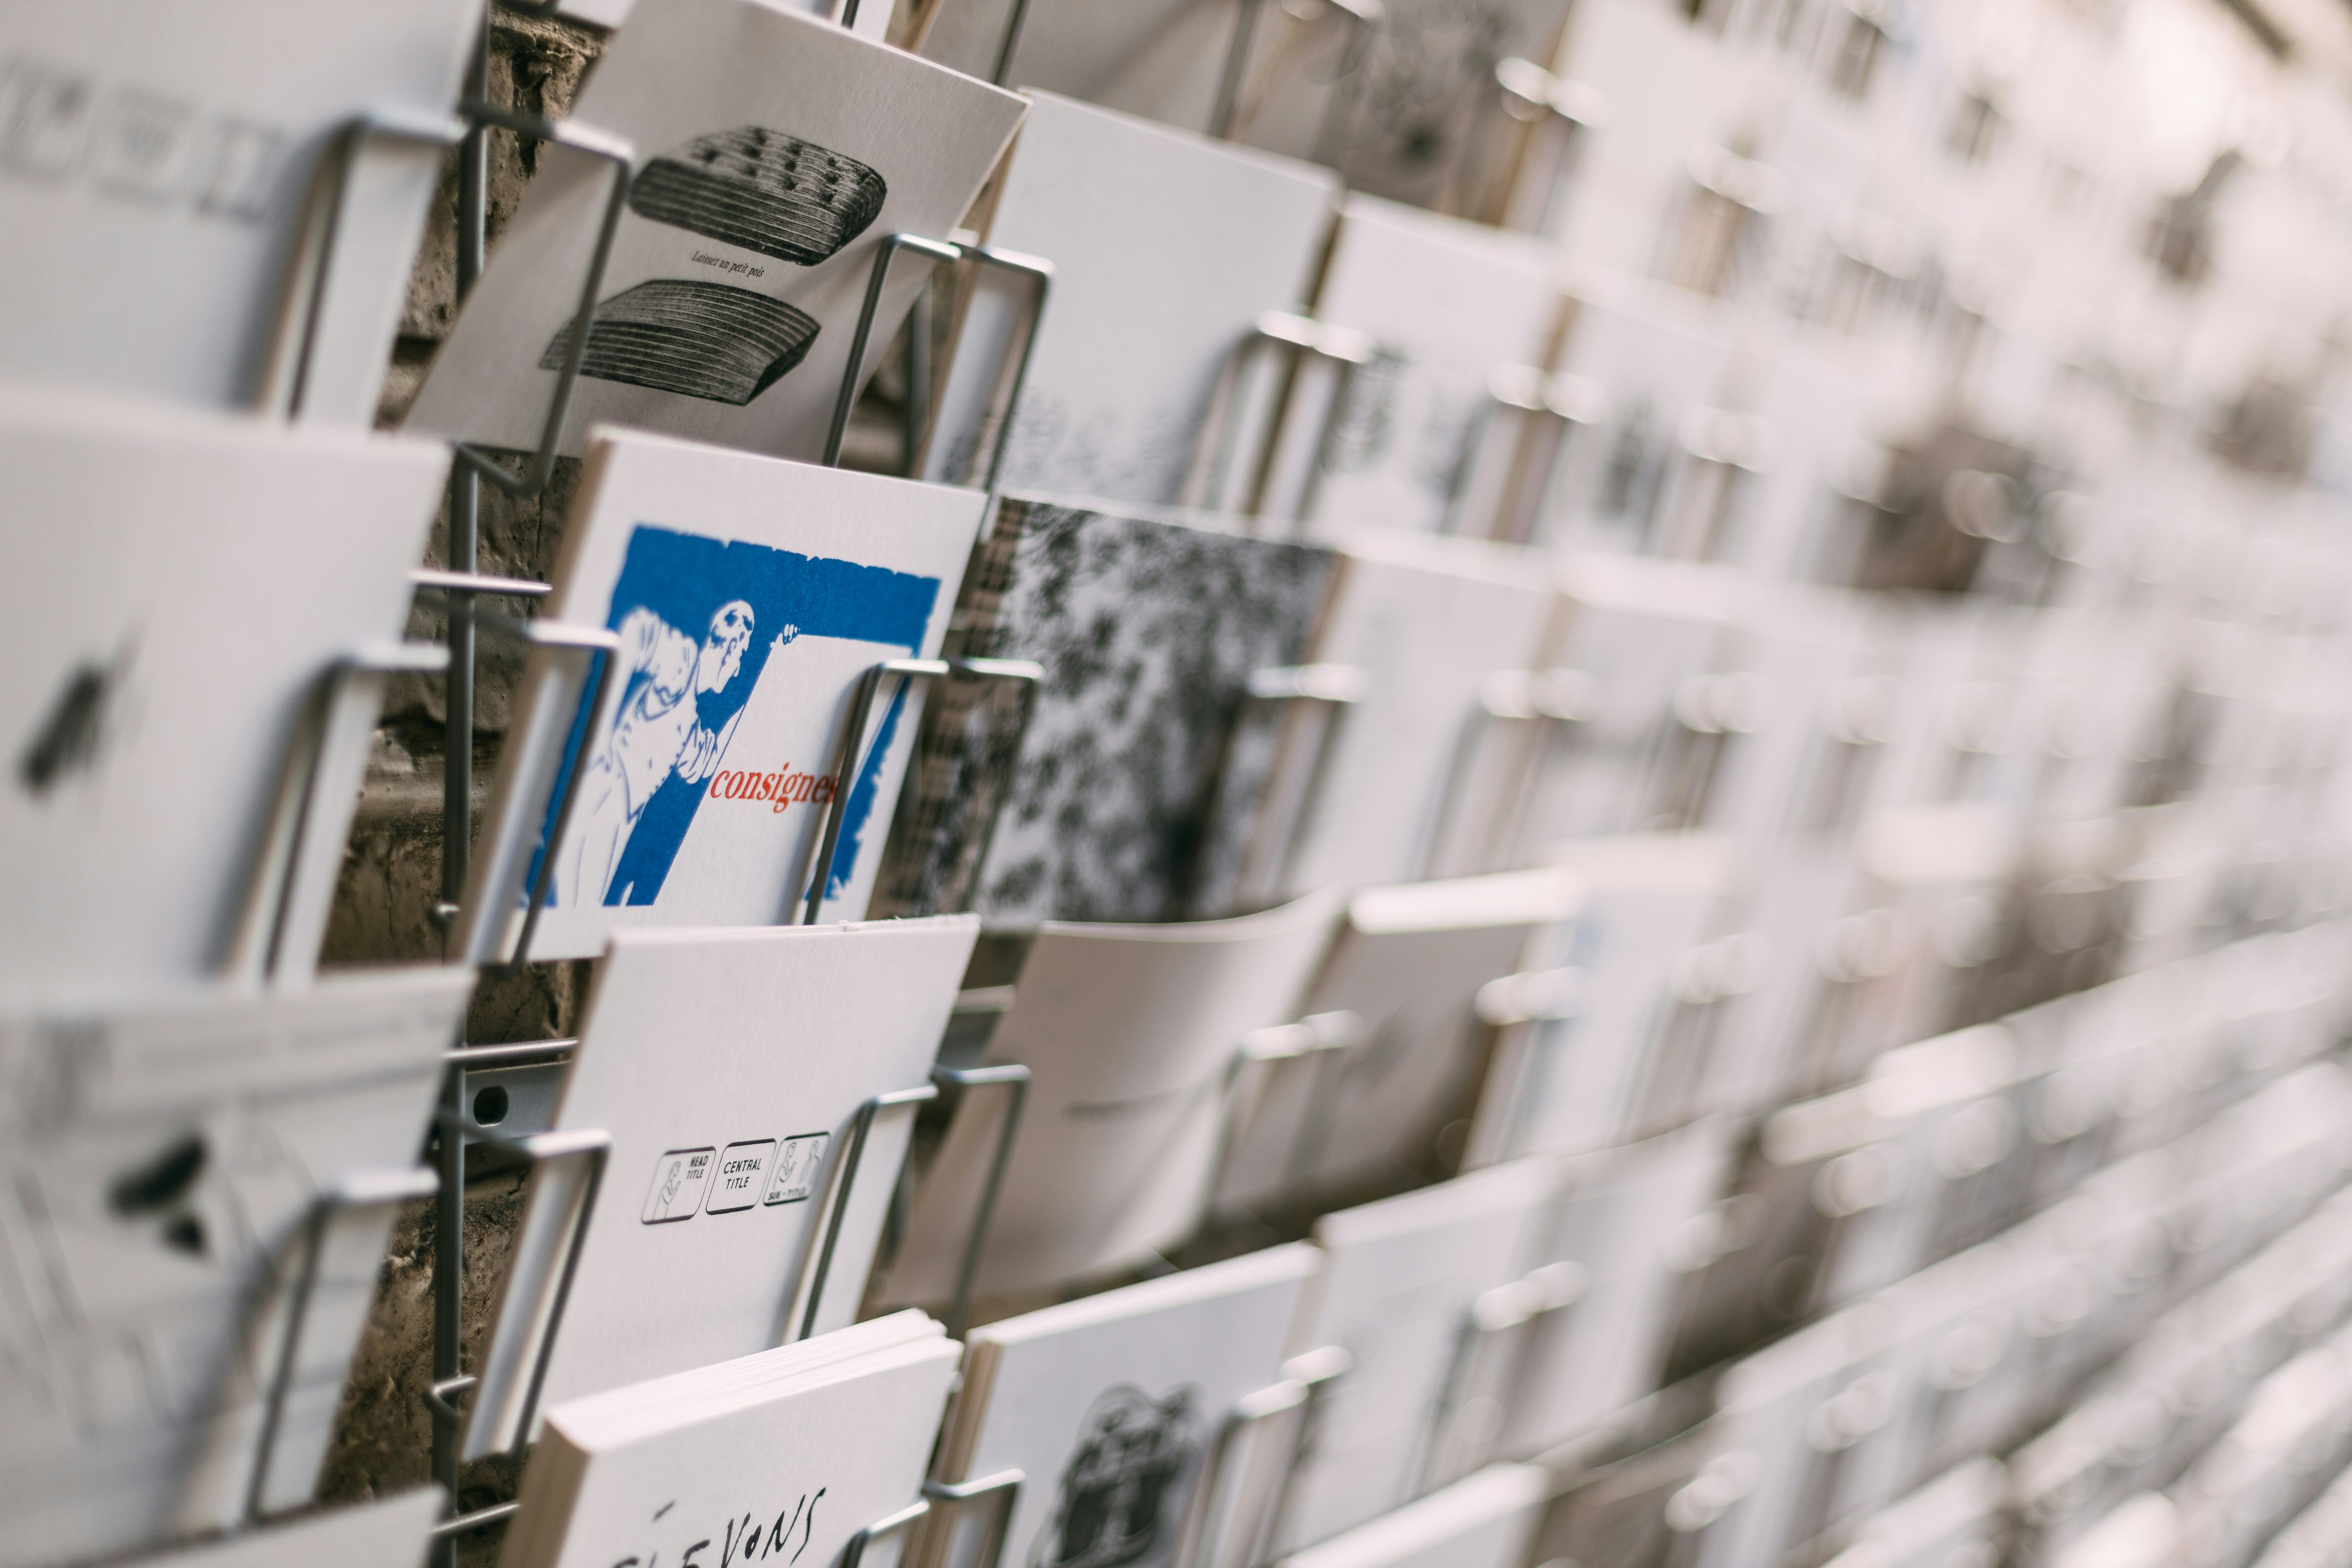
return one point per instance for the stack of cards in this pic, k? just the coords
(1429, 622)
(1395, 1291)
(785, 1454)
(1167, 249)
(215, 139)
(1131, 1036)
(1409, 967)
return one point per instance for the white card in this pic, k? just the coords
(161, 1161)
(703, 1055)
(1485, 1520)
(1112, 1406)
(1398, 1280)
(1129, 1033)
(783, 1455)
(775, 153)
(1657, 358)
(1629, 1218)
(180, 598)
(1448, 303)
(1408, 966)
(1427, 621)
(1166, 248)
(750, 596)
(156, 173)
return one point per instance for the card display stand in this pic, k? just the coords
(1037, 269)
(1003, 1489)
(352, 1190)
(853, 1554)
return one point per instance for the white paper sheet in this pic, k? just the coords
(774, 153)
(161, 1160)
(729, 1068)
(155, 177)
(1129, 1033)
(749, 594)
(183, 583)
(1112, 1404)
(1428, 621)
(1398, 1280)
(1166, 248)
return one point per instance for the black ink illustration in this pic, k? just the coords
(764, 190)
(696, 339)
(1122, 1491)
(70, 735)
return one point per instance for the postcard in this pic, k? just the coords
(1130, 1034)
(1658, 363)
(1448, 304)
(1395, 1290)
(1428, 622)
(729, 1068)
(1166, 248)
(776, 152)
(1633, 1222)
(1150, 631)
(1115, 1404)
(208, 608)
(749, 594)
(785, 1454)
(135, 134)
(164, 1162)
(1408, 967)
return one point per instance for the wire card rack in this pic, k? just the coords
(278, 935)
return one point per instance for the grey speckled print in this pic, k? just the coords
(1148, 632)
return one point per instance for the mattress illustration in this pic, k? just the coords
(693, 337)
(762, 190)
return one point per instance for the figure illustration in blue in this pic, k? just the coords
(656, 736)
(694, 616)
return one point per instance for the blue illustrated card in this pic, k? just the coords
(749, 596)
